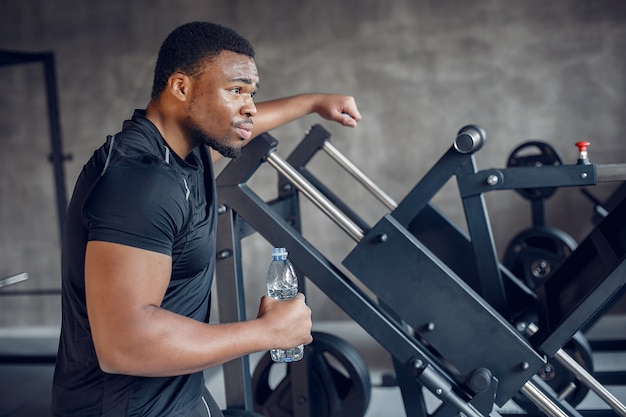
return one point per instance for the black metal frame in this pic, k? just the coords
(447, 287)
(57, 157)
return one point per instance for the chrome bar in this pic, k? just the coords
(584, 376)
(541, 400)
(14, 279)
(571, 387)
(315, 196)
(359, 176)
(581, 373)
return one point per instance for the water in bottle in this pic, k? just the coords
(282, 284)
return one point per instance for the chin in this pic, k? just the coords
(236, 153)
(229, 151)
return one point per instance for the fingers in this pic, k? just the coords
(348, 120)
(307, 323)
(297, 329)
(338, 108)
(352, 110)
(289, 320)
(350, 114)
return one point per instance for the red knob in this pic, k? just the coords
(582, 146)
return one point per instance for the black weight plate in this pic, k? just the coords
(535, 154)
(339, 381)
(534, 254)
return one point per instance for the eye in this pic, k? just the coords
(243, 90)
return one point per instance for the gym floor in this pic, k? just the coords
(25, 388)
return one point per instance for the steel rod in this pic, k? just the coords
(315, 196)
(359, 176)
(541, 400)
(583, 375)
(14, 279)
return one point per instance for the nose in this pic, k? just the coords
(248, 108)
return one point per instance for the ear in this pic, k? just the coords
(179, 85)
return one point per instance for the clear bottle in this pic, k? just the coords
(282, 284)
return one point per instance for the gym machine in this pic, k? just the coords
(57, 157)
(455, 321)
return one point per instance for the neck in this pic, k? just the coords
(168, 124)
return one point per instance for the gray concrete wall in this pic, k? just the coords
(420, 70)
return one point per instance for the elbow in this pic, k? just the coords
(113, 363)
(122, 349)
(107, 367)
(115, 359)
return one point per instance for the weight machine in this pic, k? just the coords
(437, 289)
(57, 157)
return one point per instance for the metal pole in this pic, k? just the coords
(13, 279)
(56, 157)
(315, 196)
(585, 377)
(588, 379)
(541, 400)
(359, 176)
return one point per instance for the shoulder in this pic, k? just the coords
(145, 192)
(144, 180)
(140, 203)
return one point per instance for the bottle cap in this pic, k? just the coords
(279, 252)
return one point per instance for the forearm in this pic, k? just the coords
(275, 113)
(162, 343)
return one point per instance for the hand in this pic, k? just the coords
(338, 108)
(288, 322)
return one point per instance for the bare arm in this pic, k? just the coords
(275, 113)
(133, 335)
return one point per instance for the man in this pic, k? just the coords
(139, 247)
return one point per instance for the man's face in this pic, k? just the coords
(221, 106)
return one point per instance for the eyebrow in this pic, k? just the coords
(245, 81)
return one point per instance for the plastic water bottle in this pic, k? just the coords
(282, 284)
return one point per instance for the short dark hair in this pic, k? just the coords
(188, 46)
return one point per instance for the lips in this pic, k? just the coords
(244, 130)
